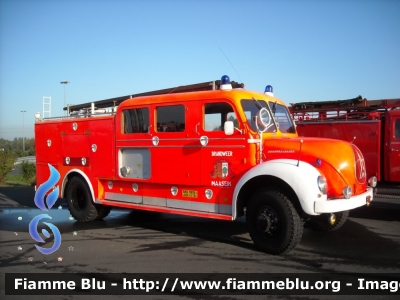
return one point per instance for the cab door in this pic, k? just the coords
(171, 151)
(223, 157)
(392, 163)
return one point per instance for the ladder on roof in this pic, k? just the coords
(113, 102)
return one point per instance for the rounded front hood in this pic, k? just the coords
(340, 162)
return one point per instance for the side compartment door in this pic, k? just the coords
(48, 149)
(392, 159)
(75, 144)
(133, 157)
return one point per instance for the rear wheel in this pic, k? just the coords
(327, 222)
(273, 222)
(102, 211)
(79, 200)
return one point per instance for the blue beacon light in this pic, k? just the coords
(225, 83)
(269, 90)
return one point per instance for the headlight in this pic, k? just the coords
(323, 186)
(347, 192)
(373, 181)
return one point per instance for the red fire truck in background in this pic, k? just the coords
(210, 150)
(372, 125)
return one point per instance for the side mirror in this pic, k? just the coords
(229, 128)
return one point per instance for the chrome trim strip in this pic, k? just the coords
(123, 197)
(155, 201)
(223, 209)
(200, 206)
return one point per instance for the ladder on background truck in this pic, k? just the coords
(355, 108)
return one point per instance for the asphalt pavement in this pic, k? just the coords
(145, 242)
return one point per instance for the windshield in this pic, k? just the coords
(279, 112)
(282, 117)
(251, 108)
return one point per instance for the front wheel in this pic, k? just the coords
(79, 200)
(273, 222)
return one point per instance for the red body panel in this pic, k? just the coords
(392, 146)
(57, 141)
(366, 135)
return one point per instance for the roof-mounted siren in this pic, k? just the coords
(269, 91)
(225, 83)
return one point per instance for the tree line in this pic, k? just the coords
(10, 151)
(17, 146)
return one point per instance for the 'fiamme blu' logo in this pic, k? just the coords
(39, 201)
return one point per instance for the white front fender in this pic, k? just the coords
(300, 176)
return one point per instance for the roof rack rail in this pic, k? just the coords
(351, 109)
(355, 104)
(112, 102)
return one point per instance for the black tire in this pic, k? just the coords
(79, 200)
(273, 222)
(102, 211)
(322, 222)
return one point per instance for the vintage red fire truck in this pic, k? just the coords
(208, 150)
(372, 125)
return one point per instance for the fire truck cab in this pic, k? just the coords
(216, 152)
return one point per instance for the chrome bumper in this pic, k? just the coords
(334, 205)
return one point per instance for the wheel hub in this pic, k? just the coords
(267, 221)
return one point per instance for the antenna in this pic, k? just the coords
(298, 159)
(230, 63)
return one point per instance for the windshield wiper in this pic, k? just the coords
(259, 106)
(274, 107)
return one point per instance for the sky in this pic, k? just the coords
(308, 50)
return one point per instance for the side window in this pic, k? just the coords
(215, 115)
(170, 118)
(397, 129)
(135, 120)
